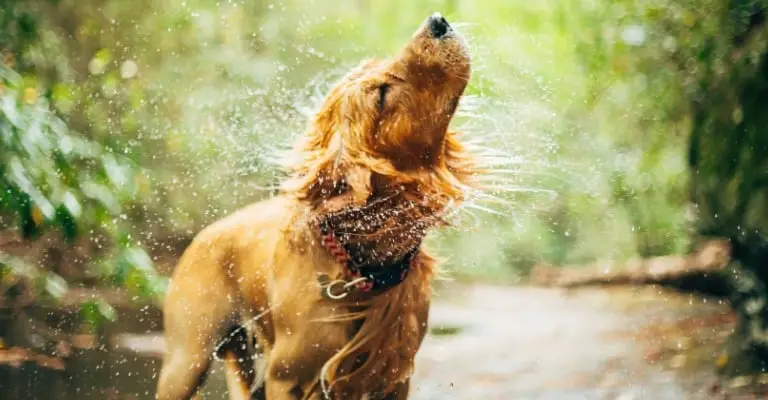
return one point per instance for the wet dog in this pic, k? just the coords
(327, 285)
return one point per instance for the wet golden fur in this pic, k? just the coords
(380, 174)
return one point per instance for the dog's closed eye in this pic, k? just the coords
(383, 89)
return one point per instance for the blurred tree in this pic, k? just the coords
(692, 73)
(729, 167)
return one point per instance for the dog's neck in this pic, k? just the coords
(388, 227)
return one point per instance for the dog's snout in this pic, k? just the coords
(438, 25)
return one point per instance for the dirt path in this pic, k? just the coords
(527, 343)
(487, 343)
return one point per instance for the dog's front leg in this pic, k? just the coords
(282, 389)
(298, 355)
(280, 384)
(282, 380)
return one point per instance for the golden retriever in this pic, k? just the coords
(323, 291)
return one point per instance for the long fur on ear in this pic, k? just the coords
(331, 174)
(325, 170)
(338, 187)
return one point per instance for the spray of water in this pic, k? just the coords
(236, 136)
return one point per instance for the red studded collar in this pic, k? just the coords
(362, 278)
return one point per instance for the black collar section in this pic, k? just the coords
(384, 277)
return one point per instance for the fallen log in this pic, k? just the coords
(16, 356)
(703, 270)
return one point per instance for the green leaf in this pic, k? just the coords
(106, 310)
(89, 313)
(27, 223)
(55, 285)
(67, 223)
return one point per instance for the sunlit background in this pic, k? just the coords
(127, 126)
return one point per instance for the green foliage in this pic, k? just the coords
(18, 27)
(17, 275)
(728, 143)
(51, 178)
(95, 313)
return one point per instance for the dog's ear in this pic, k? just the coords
(339, 186)
(330, 168)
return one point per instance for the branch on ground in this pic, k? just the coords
(711, 257)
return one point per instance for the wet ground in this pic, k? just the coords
(489, 343)
(549, 344)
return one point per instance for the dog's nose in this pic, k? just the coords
(438, 26)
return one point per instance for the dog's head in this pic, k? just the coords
(387, 117)
(399, 109)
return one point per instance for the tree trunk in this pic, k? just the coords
(729, 181)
